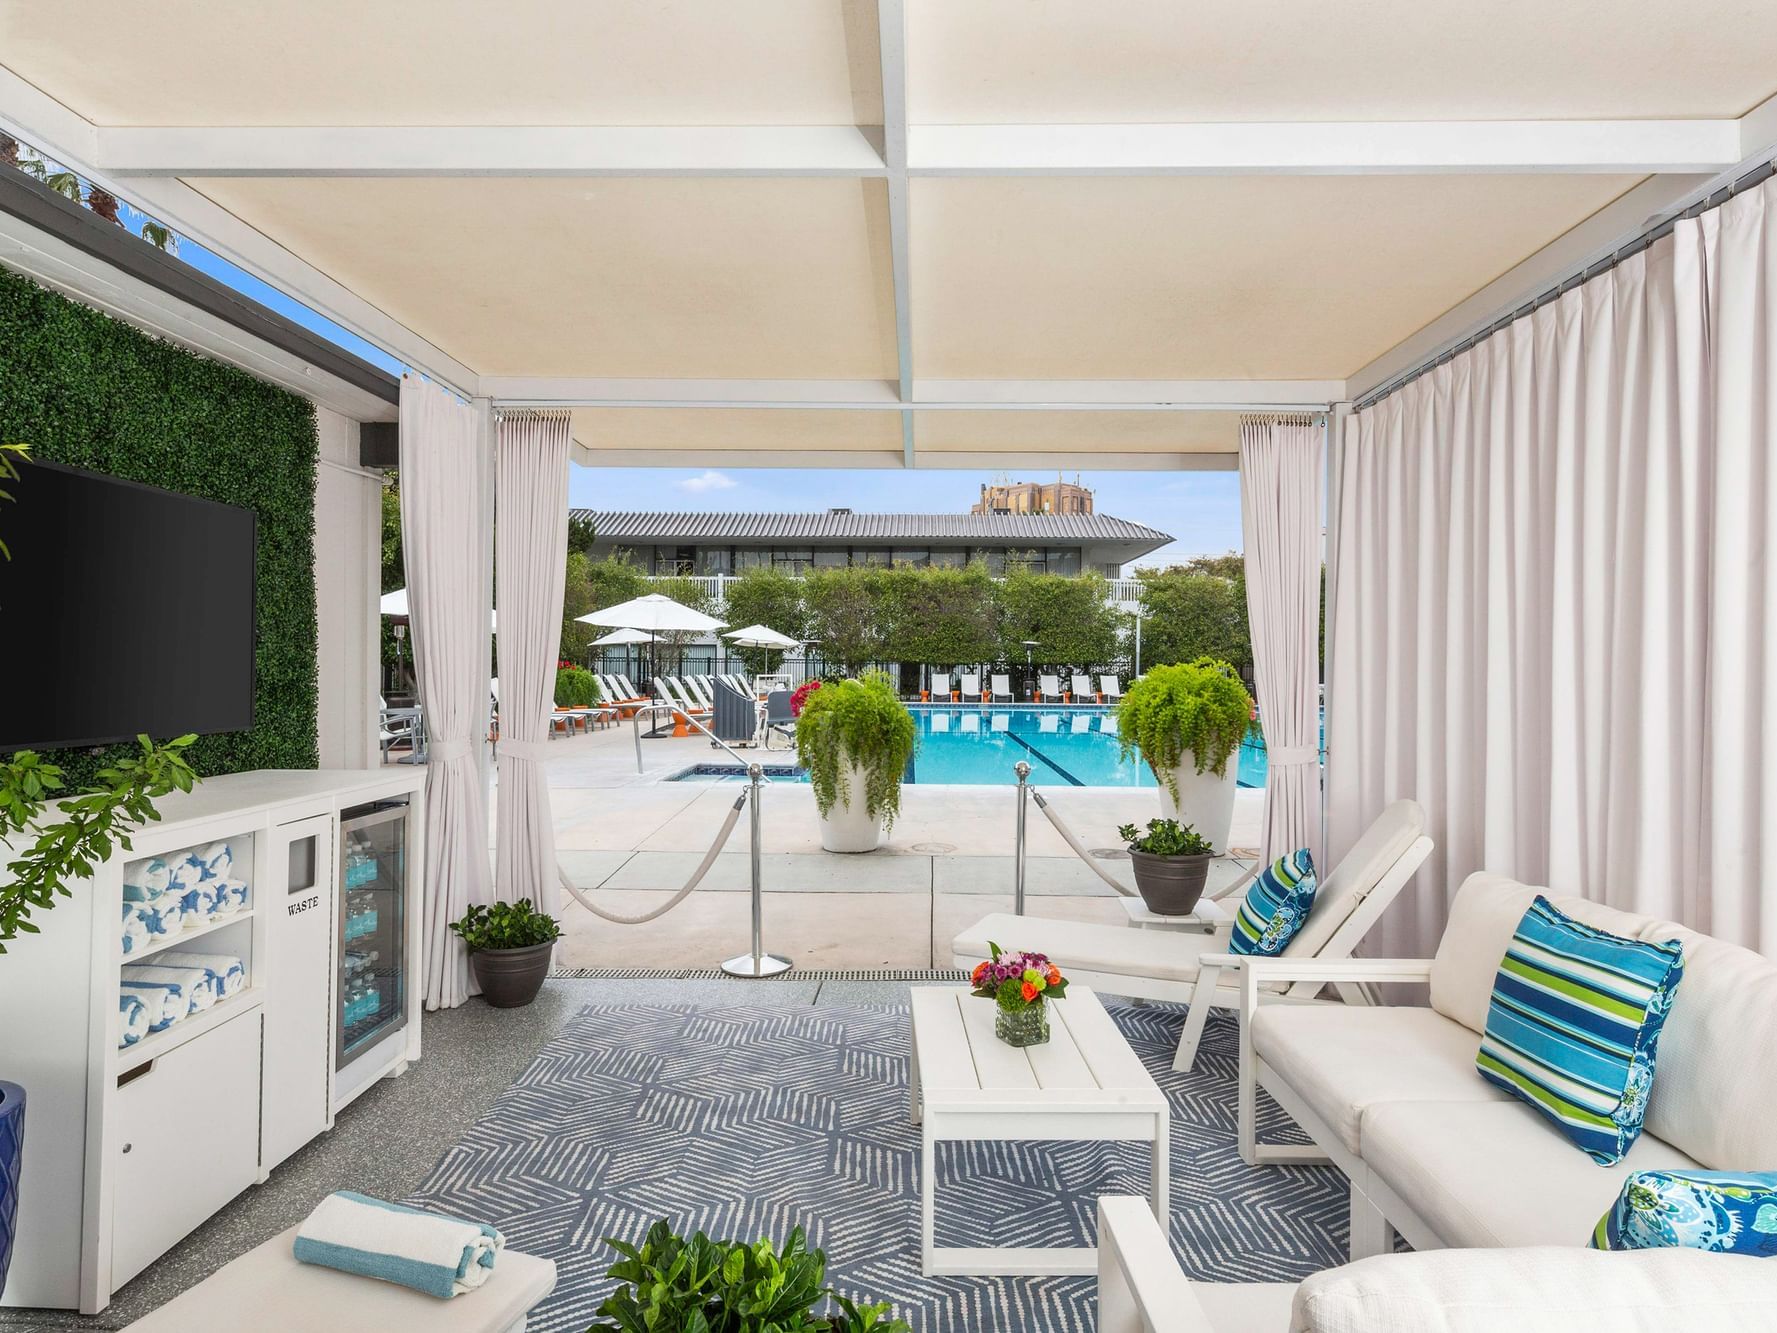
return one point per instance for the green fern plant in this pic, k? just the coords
(861, 722)
(1198, 708)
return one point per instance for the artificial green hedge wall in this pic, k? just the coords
(83, 389)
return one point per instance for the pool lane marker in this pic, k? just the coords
(1045, 758)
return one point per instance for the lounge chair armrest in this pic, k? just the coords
(1140, 1285)
(1336, 969)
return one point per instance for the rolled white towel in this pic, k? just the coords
(217, 859)
(227, 972)
(135, 930)
(187, 871)
(166, 917)
(194, 986)
(164, 1005)
(132, 1019)
(440, 1256)
(145, 881)
(199, 903)
(231, 895)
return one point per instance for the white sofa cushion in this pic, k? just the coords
(1080, 946)
(1492, 1174)
(1542, 1290)
(1342, 1060)
(1715, 1086)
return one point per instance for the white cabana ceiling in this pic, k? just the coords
(909, 231)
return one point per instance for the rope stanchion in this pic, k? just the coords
(1067, 835)
(703, 868)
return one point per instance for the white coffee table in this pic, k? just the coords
(967, 1084)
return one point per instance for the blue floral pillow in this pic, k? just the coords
(1694, 1210)
(1275, 906)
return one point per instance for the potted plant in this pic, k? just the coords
(1171, 864)
(671, 1283)
(855, 738)
(1187, 722)
(1019, 984)
(509, 947)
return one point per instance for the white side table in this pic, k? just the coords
(1084, 1083)
(1203, 918)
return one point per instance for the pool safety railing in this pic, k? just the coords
(754, 963)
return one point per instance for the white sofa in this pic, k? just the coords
(1142, 1290)
(1391, 1094)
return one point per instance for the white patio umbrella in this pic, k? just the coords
(759, 636)
(618, 638)
(656, 613)
(395, 604)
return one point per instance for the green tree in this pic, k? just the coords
(1068, 615)
(582, 533)
(592, 585)
(845, 614)
(1196, 610)
(939, 616)
(670, 647)
(770, 597)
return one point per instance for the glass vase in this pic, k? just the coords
(1027, 1025)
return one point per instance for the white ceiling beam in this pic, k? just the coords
(887, 459)
(891, 42)
(509, 390)
(931, 395)
(1282, 395)
(1630, 146)
(600, 150)
(1758, 130)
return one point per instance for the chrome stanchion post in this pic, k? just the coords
(758, 963)
(1022, 769)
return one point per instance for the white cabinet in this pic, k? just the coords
(187, 1141)
(298, 974)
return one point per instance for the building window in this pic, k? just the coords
(994, 560)
(793, 560)
(912, 555)
(751, 557)
(1032, 562)
(831, 557)
(954, 559)
(874, 555)
(1064, 561)
(715, 560)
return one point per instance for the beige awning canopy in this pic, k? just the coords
(849, 233)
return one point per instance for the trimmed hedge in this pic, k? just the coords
(83, 389)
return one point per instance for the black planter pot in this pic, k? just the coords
(510, 978)
(1170, 885)
(12, 1165)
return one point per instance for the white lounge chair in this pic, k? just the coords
(940, 723)
(971, 688)
(1083, 689)
(1199, 970)
(971, 724)
(1049, 689)
(1049, 723)
(940, 690)
(1080, 724)
(697, 689)
(393, 731)
(1002, 689)
(1110, 689)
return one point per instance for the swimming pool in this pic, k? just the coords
(1065, 746)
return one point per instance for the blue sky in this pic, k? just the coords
(1200, 509)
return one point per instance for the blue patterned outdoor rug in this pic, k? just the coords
(747, 1121)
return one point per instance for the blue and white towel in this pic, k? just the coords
(135, 930)
(217, 859)
(440, 1256)
(227, 973)
(166, 917)
(132, 1019)
(145, 881)
(199, 903)
(187, 871)
(231, 895)
(192, 989)
(164, 1005)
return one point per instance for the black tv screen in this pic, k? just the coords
(124, 610)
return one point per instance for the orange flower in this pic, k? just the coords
(1030, 992)
(979, 972)
(1054, 977)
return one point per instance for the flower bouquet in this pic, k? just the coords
(1018, 983)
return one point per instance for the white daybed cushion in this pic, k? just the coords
(1080, 946)
(1543, 1290)
(1342, 1059)
(267, 1291)
(1493, 1174)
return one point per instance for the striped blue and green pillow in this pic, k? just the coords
(1573, 1025)
(1275, 906)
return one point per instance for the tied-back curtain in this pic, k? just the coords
(530, 536)
(1553, 604)
(1280, 471)
(440, 513)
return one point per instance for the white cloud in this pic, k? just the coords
(708, 481)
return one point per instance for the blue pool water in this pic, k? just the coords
(1065, 747)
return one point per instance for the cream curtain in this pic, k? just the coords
(440, 510)
(1280, 471)
(530, 537)
(1552, 595)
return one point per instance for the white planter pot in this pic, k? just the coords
(1205, 801)
(847, 827)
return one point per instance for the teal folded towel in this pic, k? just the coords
(440, 1256)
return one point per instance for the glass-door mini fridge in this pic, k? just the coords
(370, 985)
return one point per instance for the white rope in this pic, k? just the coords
(697, 875)
(1079, 851)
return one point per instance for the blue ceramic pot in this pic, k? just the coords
(12, 1163)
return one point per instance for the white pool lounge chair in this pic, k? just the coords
(940, 690)
(1049, 723)
(971, 724)
(1083, 690)
(1080, 724)
(1049, 689)
(940, 723)
(971, 688)
(1002, 689)
(1110, 689)
(697, 689)
(1197, 969)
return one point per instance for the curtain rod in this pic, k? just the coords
(1757, 176)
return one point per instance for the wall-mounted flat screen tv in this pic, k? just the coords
(124, 610)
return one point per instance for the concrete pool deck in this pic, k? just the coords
(632, 838)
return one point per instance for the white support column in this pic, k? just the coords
(891, 20)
